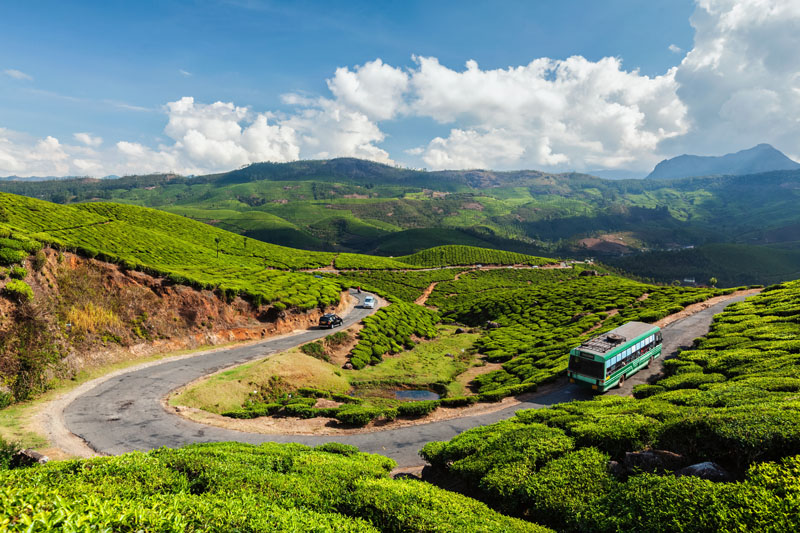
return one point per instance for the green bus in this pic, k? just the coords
(606, 360)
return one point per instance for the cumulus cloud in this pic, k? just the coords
(549, 113)
(375, 89)
(741, 80)
(675, 49)
(88, 139)
(17, 74)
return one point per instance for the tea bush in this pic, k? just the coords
(236, 487)
(739, 410)
(390, 330)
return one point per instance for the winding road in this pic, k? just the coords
(125, 413)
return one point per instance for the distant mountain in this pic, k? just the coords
(761, 158)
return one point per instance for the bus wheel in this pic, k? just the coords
(621, 381)
(650, 362)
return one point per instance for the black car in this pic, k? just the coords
(330, 320)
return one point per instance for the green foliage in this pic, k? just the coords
(236, 487)
(407, 286)
(18, 272)
(731, 399)
(389, 330)
(39, 260)
(358, 416)
(9, 256)
(457, 255)
(176, 247)
(415, 506)
(314, 349)
(417, 409)
(7, 451)
(18, 290)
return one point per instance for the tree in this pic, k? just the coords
(216, 240)
(713, 281)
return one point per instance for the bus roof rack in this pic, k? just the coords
(603, 343)
(606, 342)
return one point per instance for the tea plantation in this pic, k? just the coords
(732, 399)
(236, 487)
(538, 315)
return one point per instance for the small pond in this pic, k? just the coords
(415, 395)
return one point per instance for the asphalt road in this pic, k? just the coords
(125, 413)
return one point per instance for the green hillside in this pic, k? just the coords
(731, 399)
(731, 264)
(350, 205)
(184, 250)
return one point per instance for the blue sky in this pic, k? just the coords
(110, 70)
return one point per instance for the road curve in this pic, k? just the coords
(125, 413)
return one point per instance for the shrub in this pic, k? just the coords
(39, 260)
(311, 392)
(18, 290)
(394, 505)
(315, 349)
(344, 398)
(458, 401)
(415, 409)
(358, 416)
(337, 447)
(9, 256)
(18, 272)
(645, 391)
(7, 451)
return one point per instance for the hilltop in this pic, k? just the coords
(755, 160)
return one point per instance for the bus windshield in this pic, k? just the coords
(594, 369)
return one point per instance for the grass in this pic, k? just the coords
(427, 363)
(229, 389)
(421, 367)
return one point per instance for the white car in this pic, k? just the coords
(369, 303)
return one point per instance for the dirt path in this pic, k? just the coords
(426, 294)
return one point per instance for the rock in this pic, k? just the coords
(449, 355)
(27, 457)
(616, 469)
(653, 461)
(589, 273)
(459, 331)
(707, 470)
(492, 325)
(348, 366)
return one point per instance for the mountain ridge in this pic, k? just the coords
(760, 158)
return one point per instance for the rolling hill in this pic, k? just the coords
(348, 205)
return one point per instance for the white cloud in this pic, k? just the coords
(185, 73)
(374, 88)
(549, 113)
(17, 74)
(88, 139)
(741, 80)
(675, 49)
